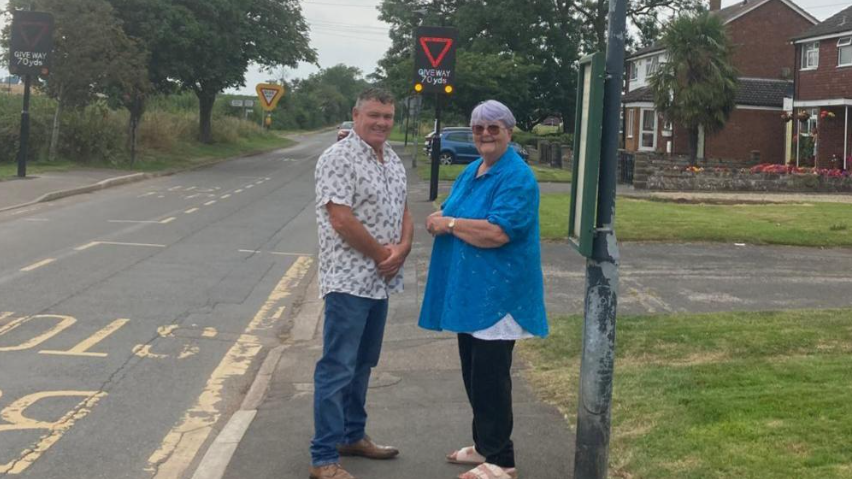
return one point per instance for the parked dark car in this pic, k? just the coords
(457, 147)
(427, 143)
(343, 130)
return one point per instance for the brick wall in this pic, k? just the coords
(830, 134)
(828, 80)
(748, 131)
(761, 39)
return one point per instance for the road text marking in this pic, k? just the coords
(82, 349)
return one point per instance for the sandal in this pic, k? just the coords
(466, 455)
(490, 471)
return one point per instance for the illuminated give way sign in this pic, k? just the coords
(31, 43)
(435, 59)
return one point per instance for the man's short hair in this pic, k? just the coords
(375, 94)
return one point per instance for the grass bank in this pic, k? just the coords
(451, 172)
(796, 224)
(744, 395)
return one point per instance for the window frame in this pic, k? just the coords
(643, 132)
(631, 114)
(634, 70)
(812, 47)
(844, 44)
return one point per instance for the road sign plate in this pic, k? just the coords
(31, 43)
(435, 59)
(269, 94)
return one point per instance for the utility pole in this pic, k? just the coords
(597, 365)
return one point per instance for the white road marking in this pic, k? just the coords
(278, 253)
(238, 191)
(41, 263)
(133, 221)
(225, 197)
(191, 196)
(36, 219)
(175, 188)
(249, 186)
(167, 220)
(115, 243)
(210, 203)
(147, 194)
(191, 210)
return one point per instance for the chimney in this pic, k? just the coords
(715, 5)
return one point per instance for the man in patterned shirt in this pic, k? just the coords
(365, 234)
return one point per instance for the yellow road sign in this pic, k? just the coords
(269, 95)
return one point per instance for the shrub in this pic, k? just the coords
(93, 134)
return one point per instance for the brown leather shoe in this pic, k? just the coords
(367, 448)
(330, 471)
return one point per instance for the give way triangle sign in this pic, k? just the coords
(269, 94)
(443, 46)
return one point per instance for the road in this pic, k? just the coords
(131, 320)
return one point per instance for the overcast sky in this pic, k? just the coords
(349, 32)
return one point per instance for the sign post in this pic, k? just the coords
(434, 71)
(598, 358)
(31, 48)
(269, 94)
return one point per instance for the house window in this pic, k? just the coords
(810, 56)
(650, 66)
(648, 139)
(844, 52)
(634, 70)
(630, 123)
(810, 126)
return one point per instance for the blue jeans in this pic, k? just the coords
(352, 342)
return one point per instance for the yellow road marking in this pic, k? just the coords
(84, 346)
(210, 203)
(167, 220)
(167, 331)
(5, 314)
(207, 333)
(191, 210)
(64, 323)
(188, 350)
(41, 263)
(183, 442)
(14, 415)
(144, 351)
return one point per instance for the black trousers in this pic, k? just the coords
(486, 370)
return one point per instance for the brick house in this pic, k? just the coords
(760, 31)
(823, 92)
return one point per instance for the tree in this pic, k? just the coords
(92, 55)
(206, 46)
(696, 86)
(521, 35)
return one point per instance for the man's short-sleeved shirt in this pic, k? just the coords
(349, 173)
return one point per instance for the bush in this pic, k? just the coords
(93, 134)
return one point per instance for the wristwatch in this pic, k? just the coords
(452, 224)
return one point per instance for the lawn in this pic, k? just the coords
(798, 224)
(9, 170)
(182, 155)
(450, 173)
(717, 396)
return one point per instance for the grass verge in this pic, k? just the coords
(181, 155)
(746, 395)
(798, 224)
(450, 173)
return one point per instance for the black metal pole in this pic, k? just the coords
(598, 360)
(407, 117)
(436, 150)
(25, 129)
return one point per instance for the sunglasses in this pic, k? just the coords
(492, 129)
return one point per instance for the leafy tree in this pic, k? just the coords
(206, 46)
(696, 86)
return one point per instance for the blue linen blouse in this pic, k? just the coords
(469, 288)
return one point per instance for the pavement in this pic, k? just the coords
(416, 401)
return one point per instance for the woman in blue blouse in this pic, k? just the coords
(485, 283)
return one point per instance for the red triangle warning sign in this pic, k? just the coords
(269, 94)
(425, 42)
